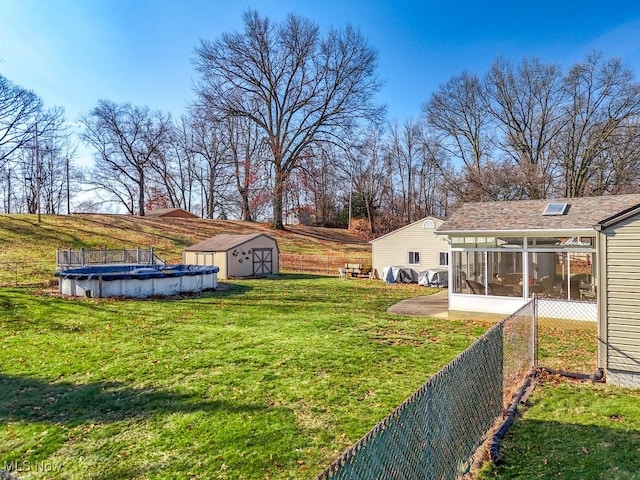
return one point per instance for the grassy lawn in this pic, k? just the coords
(574, 431)
(265, 379)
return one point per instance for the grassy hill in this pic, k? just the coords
(27, 248)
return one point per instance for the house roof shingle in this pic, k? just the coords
(526, 215)
(223, 242)
(170, 212)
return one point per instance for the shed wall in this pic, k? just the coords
(393, 249)
(622, 303)
(238, 261)
(242, 263)
(217, 259)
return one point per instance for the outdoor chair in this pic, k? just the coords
(547, 287)
(499, 290)
(475, 287)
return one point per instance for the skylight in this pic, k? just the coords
(555, 209)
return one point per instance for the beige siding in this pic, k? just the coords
(393, 249)
(238, 261)
(217, 259)
(623, 296)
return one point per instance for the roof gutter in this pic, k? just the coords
(546, 231)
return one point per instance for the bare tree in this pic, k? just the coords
(209, 143)
(316, 185)
(404, 151)
(110, 187)
(457, 115)
(298, 87)
(247, 152)
(617, 169)
(431, 186)
(19, 109)
(175, 170)
(525, 101)
(127, 141)
(603, 98)
(370, 176)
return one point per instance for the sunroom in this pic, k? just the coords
(503, 253)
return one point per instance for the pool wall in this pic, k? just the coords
(136, 281)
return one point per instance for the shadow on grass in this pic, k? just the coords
(38, 400)
(550, 449)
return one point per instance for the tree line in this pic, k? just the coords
(284, 125)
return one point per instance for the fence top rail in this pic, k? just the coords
(81, 257)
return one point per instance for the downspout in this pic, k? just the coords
(601, 296)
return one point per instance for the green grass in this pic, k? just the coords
(28, 248)
(566, 345)
(574, 431)
(267, 379)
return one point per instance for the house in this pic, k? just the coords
(618, 241)
(588, 248)
(245, 255)
(414, 246)
(170, 212)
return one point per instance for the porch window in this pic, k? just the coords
(557, 267)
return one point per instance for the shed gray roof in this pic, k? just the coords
(522, 215)
(224, 242)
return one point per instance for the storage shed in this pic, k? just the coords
(414, 246)
(247, 255)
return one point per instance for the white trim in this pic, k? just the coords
(429, 224)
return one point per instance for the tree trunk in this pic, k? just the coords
(278, 188)
(141, 193)
(278, 224)
(245, 207)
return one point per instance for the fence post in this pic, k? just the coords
(82, 255)
(534, 330)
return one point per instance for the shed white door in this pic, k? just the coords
(262, 261)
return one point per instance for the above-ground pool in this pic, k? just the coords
(136, 281)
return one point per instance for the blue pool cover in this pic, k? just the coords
(140, 272)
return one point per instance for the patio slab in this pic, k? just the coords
(436, 306)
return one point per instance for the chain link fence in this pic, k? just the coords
(25, 274)
(435, 432)
(438, 432)
(567, 335)
(320, 264)
(83, 257)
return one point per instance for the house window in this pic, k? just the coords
(444, 258)
(414, 258)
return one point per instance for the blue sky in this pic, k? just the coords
(74, 52)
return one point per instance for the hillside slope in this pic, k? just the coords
(23, 240)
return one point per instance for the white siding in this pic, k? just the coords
(393, 249)
(622, 300)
